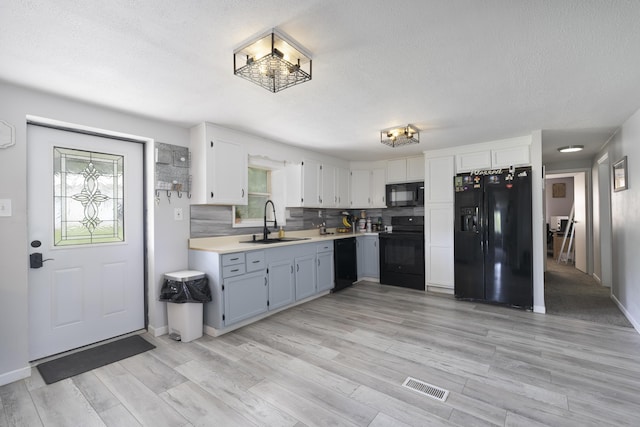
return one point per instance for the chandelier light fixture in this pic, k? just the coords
(272, 60)
(396, 137)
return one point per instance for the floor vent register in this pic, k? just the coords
(427, 389)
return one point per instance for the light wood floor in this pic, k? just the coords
(341, 360)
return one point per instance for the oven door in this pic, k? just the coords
(402, 260)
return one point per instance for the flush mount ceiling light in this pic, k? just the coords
(571, 148)
(272, 60)
(396, 137)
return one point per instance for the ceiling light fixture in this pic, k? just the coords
(272, 60)
(571, 148)
(396, 137)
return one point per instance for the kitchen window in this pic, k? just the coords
(259, 191)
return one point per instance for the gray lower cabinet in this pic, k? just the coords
(368, 256)
(282, 289)
(305, 271)
(245, 296)
(324, 273)
(248, 284)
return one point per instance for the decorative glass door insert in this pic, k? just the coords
(88, 197)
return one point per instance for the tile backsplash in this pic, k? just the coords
(214, 221)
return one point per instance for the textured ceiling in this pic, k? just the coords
(462, 71)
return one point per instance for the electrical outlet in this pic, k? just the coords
(5, 207)
(319, 214)
(177, 214)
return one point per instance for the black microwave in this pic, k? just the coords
(406, 194)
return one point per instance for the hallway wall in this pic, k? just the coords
(625, 220)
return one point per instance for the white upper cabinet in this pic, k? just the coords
(360, 188)
(312, 184)
(328, 198)
(439, 180)
(368, 188)
(303, 184)
(219, 168)
(512, 156)
(396, 170)
(466, 162)
(378, 188)
(405, 170)
(415, 168)
(342, 187)
(494, 158)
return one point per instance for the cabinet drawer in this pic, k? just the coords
(255, 261)
(233, 270)
(232, 259)
(325, 247)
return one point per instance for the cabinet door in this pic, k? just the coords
(396, 170)
(439, 180)
(329, 199)
(311, 184)
(512, 156)
(415, 168)
(371, 262)
(281, 284)
(360, 188)
(466, 162)
(342, 187)
(325, 271)
(245, 296)
(378, 189)
(227, 173)
(305, 276)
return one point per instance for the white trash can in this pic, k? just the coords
(185, 319)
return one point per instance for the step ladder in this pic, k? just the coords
(569, 231)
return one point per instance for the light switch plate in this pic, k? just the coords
(5, 207)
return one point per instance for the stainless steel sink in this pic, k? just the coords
(276, 240)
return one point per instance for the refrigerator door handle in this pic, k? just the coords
(476, 226)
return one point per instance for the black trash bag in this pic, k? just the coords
(188, 291)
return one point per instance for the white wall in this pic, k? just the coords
(625, 219)
(168, 239)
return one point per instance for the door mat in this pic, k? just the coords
(92, 358)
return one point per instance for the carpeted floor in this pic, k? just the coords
(571, 293)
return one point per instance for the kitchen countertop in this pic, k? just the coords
(229, 244)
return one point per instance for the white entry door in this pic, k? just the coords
(85, 213)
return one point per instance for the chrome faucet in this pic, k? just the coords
(265, 230)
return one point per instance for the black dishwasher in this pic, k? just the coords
(344, 257)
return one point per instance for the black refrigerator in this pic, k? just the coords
(493, 249)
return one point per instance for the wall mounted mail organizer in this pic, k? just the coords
(172, 170)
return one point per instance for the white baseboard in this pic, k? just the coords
(18, 374)
(156, 332)
(624, 311)
(539, 309)
(597, 278)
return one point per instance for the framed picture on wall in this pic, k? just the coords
(620, 179)
(559, 190)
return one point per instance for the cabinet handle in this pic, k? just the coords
(256, 261)
(318, 262)
(242, 192)
(297, 267)
(292, 269)
(265, 280)
(234, 259)
(237, 269)
(212, 194)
